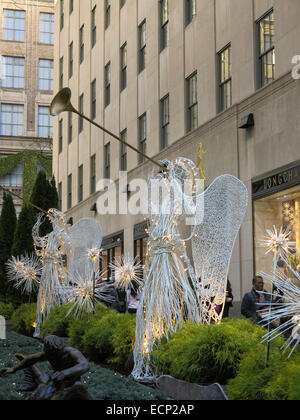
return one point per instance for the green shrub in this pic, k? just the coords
(78, 328)
(97, 344)
(24, 318)
(6, 310)
(122, 339)
(205, 354)
(57, 322)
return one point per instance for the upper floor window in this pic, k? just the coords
(142, 137)
(71, 6)
(266, 49)
(15, 178)
(107, 85)
(192, 103)
(80, 119)
(164, 32)
(122, 3)
(165, 122)
(45, 74)
(11, 120)
(190, 10)
(93, 100)
(61, 73)
(47, 28)
(123, 81)
(225, 83)
(14, 25)
(93, 174)
(13, 72)
(80, 184)
(45, 122)
(107, 161)
(71, 59)
(123, 152)
(142, 46)
(107, 13)
(81, 44)
(62, 14)
(94, 27)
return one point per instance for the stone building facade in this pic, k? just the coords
(26, 81)
(165, 75)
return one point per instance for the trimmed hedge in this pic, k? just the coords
(6, 310)
(23, 319)
(205, 354)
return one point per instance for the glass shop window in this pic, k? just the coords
(280, 210)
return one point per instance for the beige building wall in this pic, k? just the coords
(271, 144)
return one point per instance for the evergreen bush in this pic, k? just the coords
(205, 354)
(23, 319)
(6, 310)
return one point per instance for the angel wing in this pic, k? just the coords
(85, 235)
(223, 211)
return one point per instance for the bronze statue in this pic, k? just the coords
(68, 365)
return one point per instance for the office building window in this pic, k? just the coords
(123, 81)
(60, 136)
(60, 196)
(13, 72)
(69, 191)
(94, 27)
(93, 100)
(190, 10)
(13, 25)
(47, 28)
(122, 3)
(107, 85)
(192, 103)
(123, 152)
(93, 174)
(62, 15)
(11, 120)
(71, 59)
(46, 75)
(61, 73)
(107, 13)
(165, 122)
(142, 46)
(225, 82)
(15, 178)
(164, 31)
(266, 49)
(45, 122)
(71, 6)
(81, 44)
(70, 127)
(107, 161)
(142, 137)
(80, 119)
(80, 184)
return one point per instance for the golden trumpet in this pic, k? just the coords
(62, 103)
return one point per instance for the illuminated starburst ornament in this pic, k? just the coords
(93, 254)
(127, 271)
(286, 305)
(278, 242)
(24, 272)
(86, 292)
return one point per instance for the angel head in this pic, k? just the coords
(57, 217)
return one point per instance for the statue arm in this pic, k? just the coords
(26, 362)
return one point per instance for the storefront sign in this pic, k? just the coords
(277, 182)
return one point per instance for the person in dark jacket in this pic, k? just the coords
(256, 302)
(228, 300)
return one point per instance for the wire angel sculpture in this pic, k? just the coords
(169, 296)
(285, 307)
(225, 205)
(51, 249)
